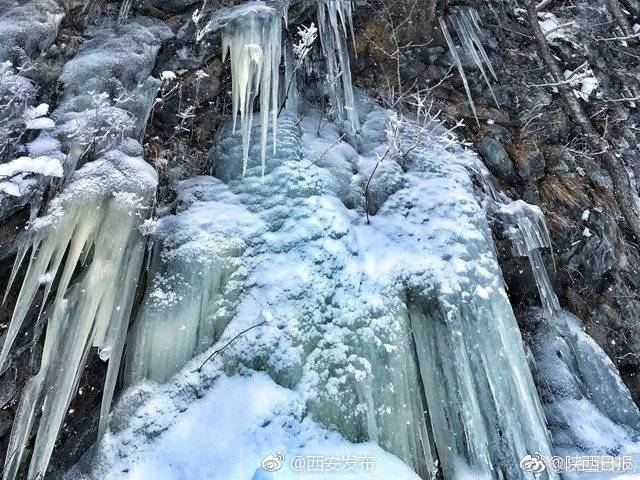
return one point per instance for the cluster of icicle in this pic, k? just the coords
(529, 235)
(253, 44)
(526, 228)
(94, 224)
(466, 24)
(335, 19)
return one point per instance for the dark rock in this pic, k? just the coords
(533, 165)
(496, 159)
(596, 255)
(171, 5)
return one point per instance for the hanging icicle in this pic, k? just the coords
(253, 43)
(466, 24)
(336, 23)
(94, 224)
(529, 235)
(125, 8)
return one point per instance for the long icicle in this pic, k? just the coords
(253, 43)
(335, 22)
(456, 59)
(99, 212)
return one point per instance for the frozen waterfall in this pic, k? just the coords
(528, 233)
(588, 408)
(195, 255)
(378, 334)
(94, 224)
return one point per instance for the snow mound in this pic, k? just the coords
(260, 416)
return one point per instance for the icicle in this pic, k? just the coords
(335, 22)
(470, 41)
(97, 216)
(529, 235)
(125, 8)
(456, 59)
(253, 43)
(466, 23)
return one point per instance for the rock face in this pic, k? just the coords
(338, 256)
(497, 159)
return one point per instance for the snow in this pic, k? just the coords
(585, 215)
(36, 112)
(253, 412)
(553, 28)
(42, 165)
(10, 188)
(168, 76)
(40, 124)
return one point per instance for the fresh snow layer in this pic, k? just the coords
(228, 433)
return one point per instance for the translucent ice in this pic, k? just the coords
(94, 224)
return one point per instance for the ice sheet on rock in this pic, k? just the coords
(195, 254)
(108, 91)
(17, 99)
(397, 332)
(252, 39)
(95, 224)
(335, 22)
(125, 53)
(27, 28)
(588, 407)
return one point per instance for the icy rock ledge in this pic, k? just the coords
(588, 408)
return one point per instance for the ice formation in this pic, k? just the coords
(195, 254)
(27, 28)
(335, 23)
(528, 232)
(253, 42)
(125, 8)
(379, 335)
(589, 410)
(93, 224)
(466, 24)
